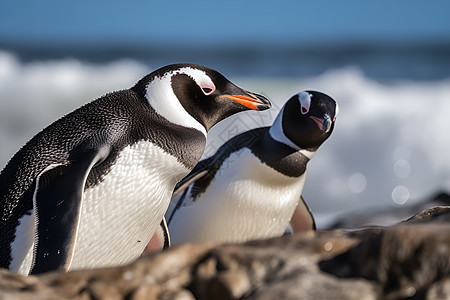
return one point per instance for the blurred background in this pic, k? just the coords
(386, 63)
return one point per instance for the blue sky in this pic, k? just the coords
(208, 22)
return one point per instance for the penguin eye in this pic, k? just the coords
(207, 90)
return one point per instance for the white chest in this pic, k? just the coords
(246, 200)
(119, 216)
(121, 213)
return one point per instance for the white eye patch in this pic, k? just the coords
(305, 102)
(164, 101)
(200, 77)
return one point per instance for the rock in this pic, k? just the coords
(410, 260)
(390, 216)
(434, 214)
(405, 259)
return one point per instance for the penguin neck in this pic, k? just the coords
(281, 157)
(276, 133)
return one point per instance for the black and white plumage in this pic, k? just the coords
(251, 187)
(91, 188)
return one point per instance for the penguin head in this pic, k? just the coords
(196, 96)
(307, 119)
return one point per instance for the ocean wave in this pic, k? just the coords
(35, 94)
(389, 147)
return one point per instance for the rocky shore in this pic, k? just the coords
(410, 260)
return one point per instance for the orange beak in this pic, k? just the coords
(251, 101)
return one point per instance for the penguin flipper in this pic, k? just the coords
(186, 181)
(302, 218)
(211, 164)
(57, 202)
(176, 202)
(164, 229)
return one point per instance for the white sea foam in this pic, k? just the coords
(381, 127)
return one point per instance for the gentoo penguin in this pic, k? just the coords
(77, 194)
(252, 186)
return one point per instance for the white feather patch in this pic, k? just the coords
(305, 101)
(162, 98)
(22, 246)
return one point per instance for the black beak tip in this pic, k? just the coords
(264, 107)
(265, 102)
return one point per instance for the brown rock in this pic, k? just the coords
(405, 259)
(410, 260)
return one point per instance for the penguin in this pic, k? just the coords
(76, 195)
(251, 188)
